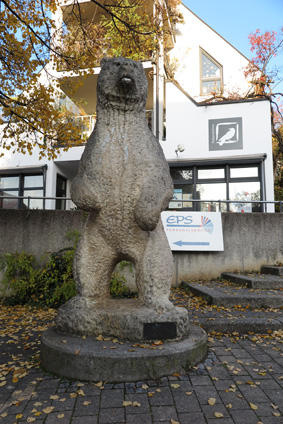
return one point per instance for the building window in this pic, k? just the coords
(61, 190)
(210, 74)
(208, 185)
(29, 186)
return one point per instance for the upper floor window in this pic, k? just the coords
(210, 74)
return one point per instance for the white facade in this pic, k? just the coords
(199, 130)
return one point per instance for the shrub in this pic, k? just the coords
(51, 285)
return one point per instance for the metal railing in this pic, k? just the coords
(219, 203)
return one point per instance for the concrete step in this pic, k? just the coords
(274, 270)
(255, 281)
(229, 295)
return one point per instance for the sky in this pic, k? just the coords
(235, 20)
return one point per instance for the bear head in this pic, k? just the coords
(121, 83)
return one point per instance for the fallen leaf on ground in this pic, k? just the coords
(48, 410)
(211, 401)
(218, 414)
(175, 386)
(136, 404)
(253, 406)
(127, 403)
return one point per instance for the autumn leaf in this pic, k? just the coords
(86, 403)
(211, 401)
(127, 403)
(253, 406)
(60, 416)
(48, 410)
(175, 386)
(31, 419)
(136, 404)
(218, 414)
(174, 422)
(99, 338)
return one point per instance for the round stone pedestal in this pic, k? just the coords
(85, 358)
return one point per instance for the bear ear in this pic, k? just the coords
(103, 61)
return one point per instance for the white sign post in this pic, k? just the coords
(193, 230)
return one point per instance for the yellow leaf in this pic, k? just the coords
(99, 338)
(37, 414)
(136, 404)
(127, 403)
(99, 384)
(211, 401)
(15, 379)
(48, 409)
(60, 416)
(189, 393)
(274, 406)
(4, 414)
(276, 414)
(3, 383)
(80, 392)
(19, 416)
(73, 395)
(150, 394)
(144, 386)
(30, 419)
(253, 406)
(174, 422)
(175, 386)
(218, 415)
(54, 397)
(229, 406)
(86, 403)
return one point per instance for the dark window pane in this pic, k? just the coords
(251, 171)
(209, 69)
(182, 192)
(9, 182)
(33, 181)
(33, 203)
(243, 192)
(10, 202)
(215, 191)
(211, 173)
(181, 174)
(210, 86)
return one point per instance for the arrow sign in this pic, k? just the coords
(192, 243)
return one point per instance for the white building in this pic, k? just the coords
(216, 152)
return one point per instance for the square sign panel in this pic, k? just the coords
(193, 230)
(225, 134)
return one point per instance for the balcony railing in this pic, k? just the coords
(218, 204)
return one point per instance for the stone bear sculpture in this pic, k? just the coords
(124, 182)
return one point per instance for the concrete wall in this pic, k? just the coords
(250, 240)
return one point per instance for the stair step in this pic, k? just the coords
(255, 281)
(221, 294)
(269, 269)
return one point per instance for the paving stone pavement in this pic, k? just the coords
(239, 382)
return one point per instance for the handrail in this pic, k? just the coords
(263, 202)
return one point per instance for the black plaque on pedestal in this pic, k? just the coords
(159, 330)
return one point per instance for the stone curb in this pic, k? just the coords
(88, 359)
(216, 297)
